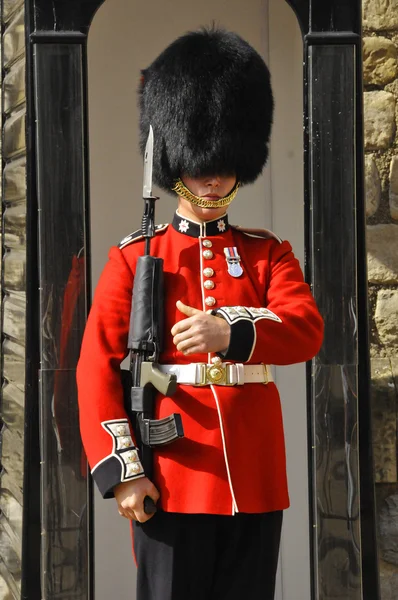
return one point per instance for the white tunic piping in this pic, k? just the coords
(234, 504)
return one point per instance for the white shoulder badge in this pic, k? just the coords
(137, 235)
(264, 234)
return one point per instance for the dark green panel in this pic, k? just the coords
(60, 158)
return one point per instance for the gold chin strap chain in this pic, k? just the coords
(184, 192)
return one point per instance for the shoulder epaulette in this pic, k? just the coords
(264, 234)
(137, 235)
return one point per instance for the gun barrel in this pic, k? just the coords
(146, 323)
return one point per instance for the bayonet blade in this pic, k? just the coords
(148, 166)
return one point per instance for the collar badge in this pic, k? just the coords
(221, 225)
(183, 226)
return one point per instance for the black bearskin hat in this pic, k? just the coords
(209, 100)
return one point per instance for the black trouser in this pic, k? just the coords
(207, 557)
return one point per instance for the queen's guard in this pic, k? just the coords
(234, 303)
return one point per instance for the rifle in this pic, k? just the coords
(145, 342)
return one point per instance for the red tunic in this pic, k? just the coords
(232, 457)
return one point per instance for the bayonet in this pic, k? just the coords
(148, 166)
(148, 219)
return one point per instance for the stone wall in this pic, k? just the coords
(380, 46)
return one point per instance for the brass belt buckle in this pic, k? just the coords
(214, 374)
(219, 373)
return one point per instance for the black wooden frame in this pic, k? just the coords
(323, 23)
(59, 23)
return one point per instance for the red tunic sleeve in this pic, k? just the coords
(105, 428)
(288, 328)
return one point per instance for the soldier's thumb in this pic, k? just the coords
(189, 311)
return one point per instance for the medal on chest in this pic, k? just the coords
(233, 261)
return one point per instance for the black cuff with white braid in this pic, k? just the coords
(123, 464)
(243, 330)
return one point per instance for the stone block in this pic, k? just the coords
(386, 320)
(379, 110)
(388, 528)
(380, 14)
(5, 591)
(373, 186)
(382, 248)
(380, 64)
(12, 511)
(394, 188)
(14, 318)
(384, 420)
(388, 581)
(394, 368)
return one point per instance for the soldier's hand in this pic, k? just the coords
(200, 332)
(130, 498)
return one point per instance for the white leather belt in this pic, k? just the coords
(219, 373)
